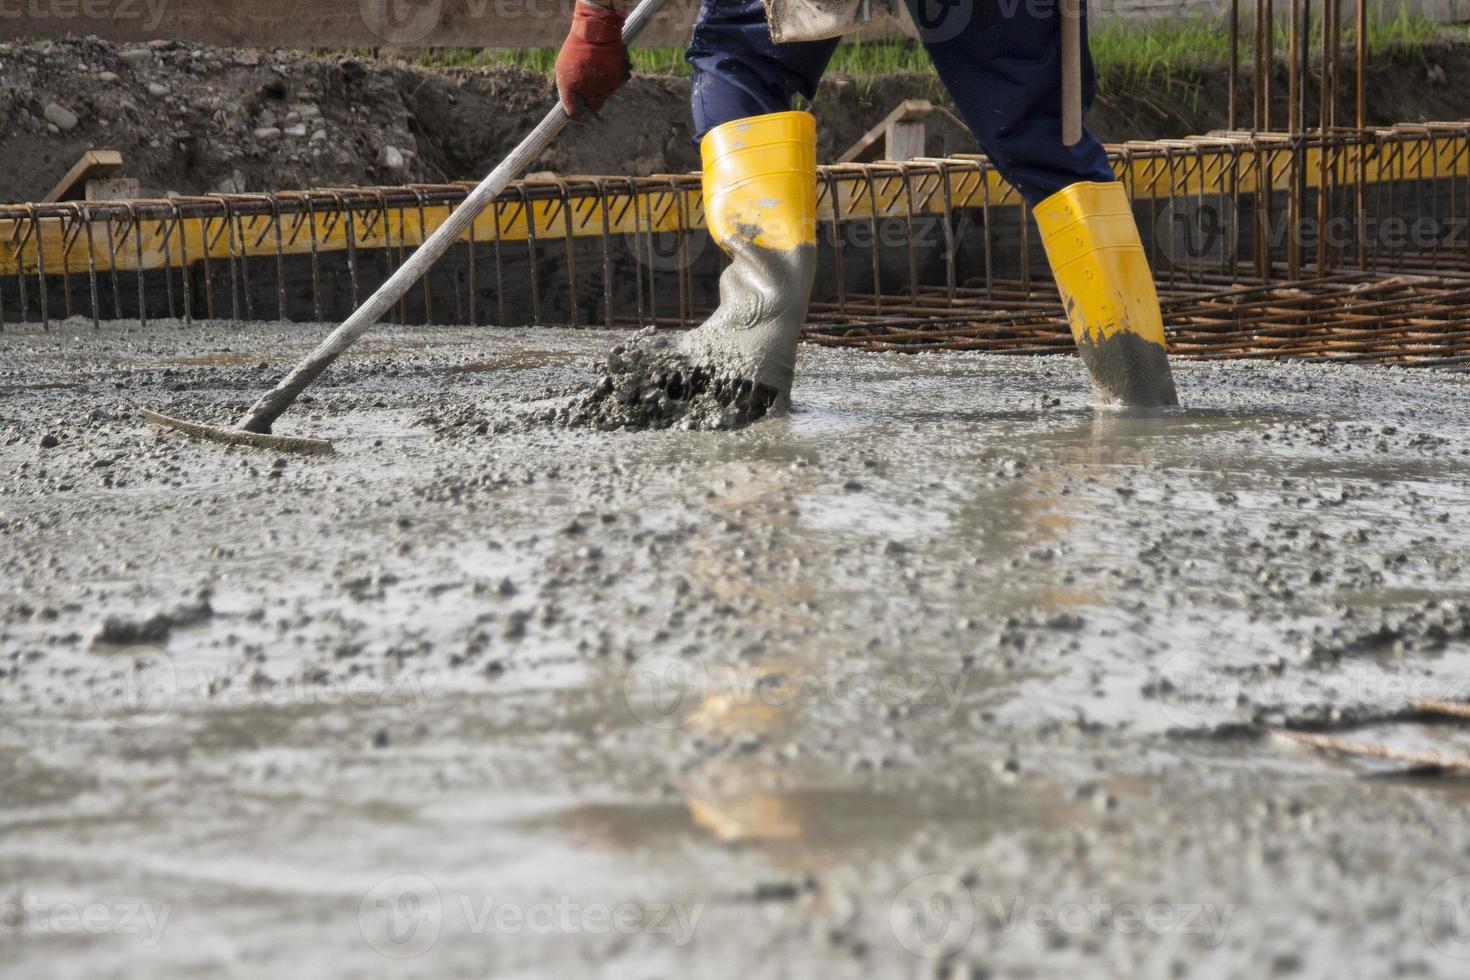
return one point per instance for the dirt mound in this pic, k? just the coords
(194, 120)
(203, 120)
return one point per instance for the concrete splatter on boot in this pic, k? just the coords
(739, 365)
(1102, 273)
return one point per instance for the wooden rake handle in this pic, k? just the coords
(270, 405)
(1071, 72)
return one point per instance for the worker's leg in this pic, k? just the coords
(1001, 61)
(760, 203)
(760, 180)
(760, 190)
(740, 72)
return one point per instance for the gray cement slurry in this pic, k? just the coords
(650, 382)
(941, 671)
(1130, 371)
(733, 369)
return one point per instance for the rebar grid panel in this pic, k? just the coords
(939, 247)
(1328, 33)
(1405, 319)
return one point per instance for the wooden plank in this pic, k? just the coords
(114, 189)
(905, 140)
(866, 148)
(93, 165)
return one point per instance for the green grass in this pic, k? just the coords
(876, 58)
(1125, 53)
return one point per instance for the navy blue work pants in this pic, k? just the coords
(999, 59)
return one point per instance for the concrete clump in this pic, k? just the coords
(649, 383)
(118, 630)
(1427, 627)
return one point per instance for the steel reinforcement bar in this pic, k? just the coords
(938, 247)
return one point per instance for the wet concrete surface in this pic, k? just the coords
(943, 674)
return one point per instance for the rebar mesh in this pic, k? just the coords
(1350, 244)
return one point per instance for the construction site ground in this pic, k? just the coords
(944, 674)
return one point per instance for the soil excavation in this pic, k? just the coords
(204, 120)
(943, 672)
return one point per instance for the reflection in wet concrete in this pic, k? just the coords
(942, 620)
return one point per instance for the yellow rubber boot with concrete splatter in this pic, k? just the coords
(760, 201)
(1108, 291)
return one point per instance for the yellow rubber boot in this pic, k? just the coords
(760, 203)
(760, 181)
(1108, 291)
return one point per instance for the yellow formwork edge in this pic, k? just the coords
(1194, 167)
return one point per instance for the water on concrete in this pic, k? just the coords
(941, 674)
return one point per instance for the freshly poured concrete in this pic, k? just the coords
(735, 368)
(940, 674)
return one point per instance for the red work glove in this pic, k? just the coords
(593, 62)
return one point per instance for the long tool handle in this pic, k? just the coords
(270, 406)
(1071, 72)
